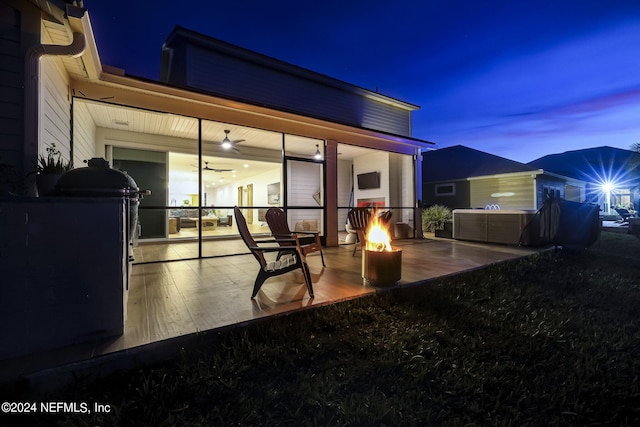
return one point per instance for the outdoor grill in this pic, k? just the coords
(98, 179)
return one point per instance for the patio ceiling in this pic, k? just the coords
(184, 162)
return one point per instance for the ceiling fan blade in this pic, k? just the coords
(237, 141)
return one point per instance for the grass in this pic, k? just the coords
(551, 339)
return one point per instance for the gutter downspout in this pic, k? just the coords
(32, 94)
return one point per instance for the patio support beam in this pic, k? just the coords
(331, 192)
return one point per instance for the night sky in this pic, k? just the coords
(519, 79)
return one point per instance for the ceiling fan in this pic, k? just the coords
(228, 144)
(207, 168)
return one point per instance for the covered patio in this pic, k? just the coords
(171, 304)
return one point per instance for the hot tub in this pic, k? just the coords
(491, 226)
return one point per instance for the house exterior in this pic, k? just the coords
(283, 112)
(460, 177)
(299, 140)
(601, 168)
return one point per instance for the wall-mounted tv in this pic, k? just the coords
(368, 180)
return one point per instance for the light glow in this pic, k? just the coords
(607, 187)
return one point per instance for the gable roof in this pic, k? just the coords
(600, 164)
(460, 162)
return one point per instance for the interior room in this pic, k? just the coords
(236, 165)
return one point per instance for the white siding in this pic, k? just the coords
(55, 108)
(84, 135)
(304, 179)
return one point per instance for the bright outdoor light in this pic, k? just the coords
(607, 187)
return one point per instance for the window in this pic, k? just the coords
(446, 189)
(550, 192)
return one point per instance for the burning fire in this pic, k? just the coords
(378, 235)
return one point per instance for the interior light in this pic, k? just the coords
(226, 143)
(245, 165)
(505, 194)
(607, 187)
(318, 155)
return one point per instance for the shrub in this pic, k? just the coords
(434, 217)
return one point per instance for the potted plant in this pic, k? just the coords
(49, 168)
(437, 219)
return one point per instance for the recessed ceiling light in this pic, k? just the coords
(245, 165)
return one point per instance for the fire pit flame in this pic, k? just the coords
(378, 235)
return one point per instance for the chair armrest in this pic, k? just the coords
(275, 241)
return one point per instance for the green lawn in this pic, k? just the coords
(552, 339)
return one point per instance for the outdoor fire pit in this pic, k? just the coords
(381, 263)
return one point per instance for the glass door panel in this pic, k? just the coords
(305, 195)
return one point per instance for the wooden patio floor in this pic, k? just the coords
(179, 299)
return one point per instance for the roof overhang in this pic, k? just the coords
(59, 21)
(531, 173)
(117, 88)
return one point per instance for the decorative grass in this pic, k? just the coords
(552, 339)
(434, 217)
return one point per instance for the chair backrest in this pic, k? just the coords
(385, 217)
(241, 223)
(277, 221)
(359, 218)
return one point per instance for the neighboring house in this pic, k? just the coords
(612, 175)
(460, 177)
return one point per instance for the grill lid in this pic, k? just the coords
(97, 179)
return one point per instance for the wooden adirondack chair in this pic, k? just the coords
(292, 260)
(306, 241)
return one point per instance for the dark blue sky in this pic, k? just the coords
(519, 79)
